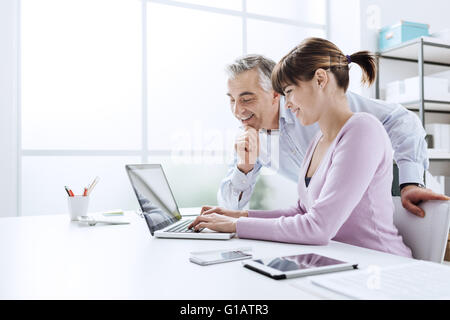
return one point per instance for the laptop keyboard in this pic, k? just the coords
(182, 227)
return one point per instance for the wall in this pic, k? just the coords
(354, 25)
(345, 31)
(8, 98)
(434, 13)
(380, 13)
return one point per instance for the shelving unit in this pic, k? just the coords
(438, 155)
(431, 106)
(423, 51)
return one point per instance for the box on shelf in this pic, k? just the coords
(396, 34)
(440, 133)
(433, 183)
(407, 90)
(438, 184)
(444, 75)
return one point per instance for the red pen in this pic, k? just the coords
(85, 192)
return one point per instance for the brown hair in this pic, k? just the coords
(301, 63)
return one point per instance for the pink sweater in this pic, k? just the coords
(348, 199)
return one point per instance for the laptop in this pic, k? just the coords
(159, 207)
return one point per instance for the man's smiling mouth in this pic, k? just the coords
(247, 118)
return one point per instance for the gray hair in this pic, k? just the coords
(249, 62)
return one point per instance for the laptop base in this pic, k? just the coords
(195, 235)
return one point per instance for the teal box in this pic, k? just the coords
(391, 36)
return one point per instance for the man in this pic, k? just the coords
(263, 116)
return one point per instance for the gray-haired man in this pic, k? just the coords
(259, 108)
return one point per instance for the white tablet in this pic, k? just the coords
(297, 266)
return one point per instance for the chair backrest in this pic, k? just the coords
(427, 237)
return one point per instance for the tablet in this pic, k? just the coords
(297, 266)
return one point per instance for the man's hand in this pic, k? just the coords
(413, 195)
(247, 149)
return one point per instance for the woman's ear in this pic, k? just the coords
(321, 77)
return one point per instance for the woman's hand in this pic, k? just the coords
(217, 219)
(214, 221)
(225, 212)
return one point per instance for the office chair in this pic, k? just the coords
(427, 237)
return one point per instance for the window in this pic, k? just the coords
(105, 83)
(81, 75)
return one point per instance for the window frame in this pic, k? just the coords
(144, 152)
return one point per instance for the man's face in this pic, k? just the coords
(249, 102)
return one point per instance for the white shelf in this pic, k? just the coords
(435, 51)
(442, 106)
(437, 154)
(432, 50)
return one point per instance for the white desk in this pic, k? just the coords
(49, 257)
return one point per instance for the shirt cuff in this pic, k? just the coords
(241, 181)
(410, 172)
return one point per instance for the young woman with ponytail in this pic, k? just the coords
(345, 175)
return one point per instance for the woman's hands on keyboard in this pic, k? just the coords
(217, 219)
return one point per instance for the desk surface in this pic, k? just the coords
(49, 257)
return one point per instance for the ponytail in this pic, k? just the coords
(366, 61)
(301, 63)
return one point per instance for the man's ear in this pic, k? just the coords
(321, 77)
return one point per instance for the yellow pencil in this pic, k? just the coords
(92, 185)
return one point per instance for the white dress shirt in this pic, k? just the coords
(283, 150)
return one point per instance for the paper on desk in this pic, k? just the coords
(105, 218)
(414, 280)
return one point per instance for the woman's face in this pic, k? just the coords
(303, 100)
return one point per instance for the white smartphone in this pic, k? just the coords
(205, 258)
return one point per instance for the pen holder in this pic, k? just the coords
(78, 206)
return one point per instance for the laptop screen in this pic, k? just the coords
(154, 195)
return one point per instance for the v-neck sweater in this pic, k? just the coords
(348, 198)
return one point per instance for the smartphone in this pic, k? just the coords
(205, 258)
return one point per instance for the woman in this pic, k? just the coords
(346, 176)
